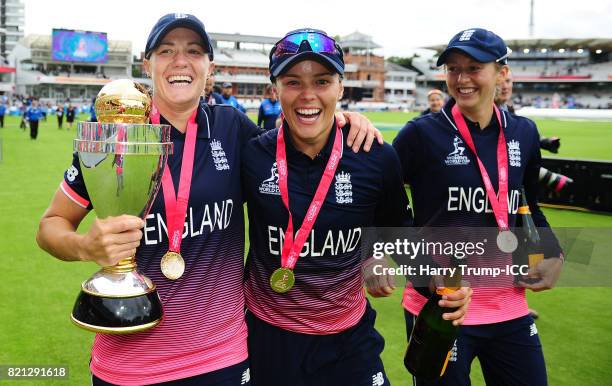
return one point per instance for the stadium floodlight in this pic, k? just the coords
(598, 51)
(526, 50)
(543, 50)
(580, 50)
(561, 50)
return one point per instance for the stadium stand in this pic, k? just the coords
(50, 80)
(548, 73)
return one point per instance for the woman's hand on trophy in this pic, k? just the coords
(459, 299)
(111, 240)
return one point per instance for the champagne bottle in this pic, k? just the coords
(529, 251)
(432, 338)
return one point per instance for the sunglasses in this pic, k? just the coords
(319, 43)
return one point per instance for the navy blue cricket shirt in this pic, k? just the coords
(203, 327)
(367, 190)
(448, 191)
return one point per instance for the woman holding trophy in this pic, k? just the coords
(198, 271)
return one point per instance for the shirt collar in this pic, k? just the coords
(323, 154)
(472, 126)
(493, 125)
(202, 119)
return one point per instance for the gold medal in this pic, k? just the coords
(282, 280)
(172, 265)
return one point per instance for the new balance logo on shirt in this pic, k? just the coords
(453, 356)
(246, 377)
(378, 379)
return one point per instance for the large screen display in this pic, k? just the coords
(79, 46)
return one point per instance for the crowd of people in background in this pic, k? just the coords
(269, 108)
(31, 111)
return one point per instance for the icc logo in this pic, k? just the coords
(456, 157)
(270, 185)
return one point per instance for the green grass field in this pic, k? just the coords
(37, 292)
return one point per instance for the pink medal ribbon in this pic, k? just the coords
(283, 278)
(172, 263)
(506, 240)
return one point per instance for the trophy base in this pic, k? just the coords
(114, 315)
(116, 300)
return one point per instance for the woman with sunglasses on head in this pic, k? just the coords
(308, 198)
(475, 150)
(202, 339)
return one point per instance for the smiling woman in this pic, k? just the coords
(472, 84)
(308, 93)
(309, 320)
(306, 68)
(470, 145)
(202, 338)
(179, 65)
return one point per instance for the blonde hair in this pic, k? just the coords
(435, 91)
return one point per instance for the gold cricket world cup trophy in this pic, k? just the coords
(122, 159)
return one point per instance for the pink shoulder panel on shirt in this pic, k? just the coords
(74, 196)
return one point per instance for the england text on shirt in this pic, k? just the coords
(367, 190)
(203, 327)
